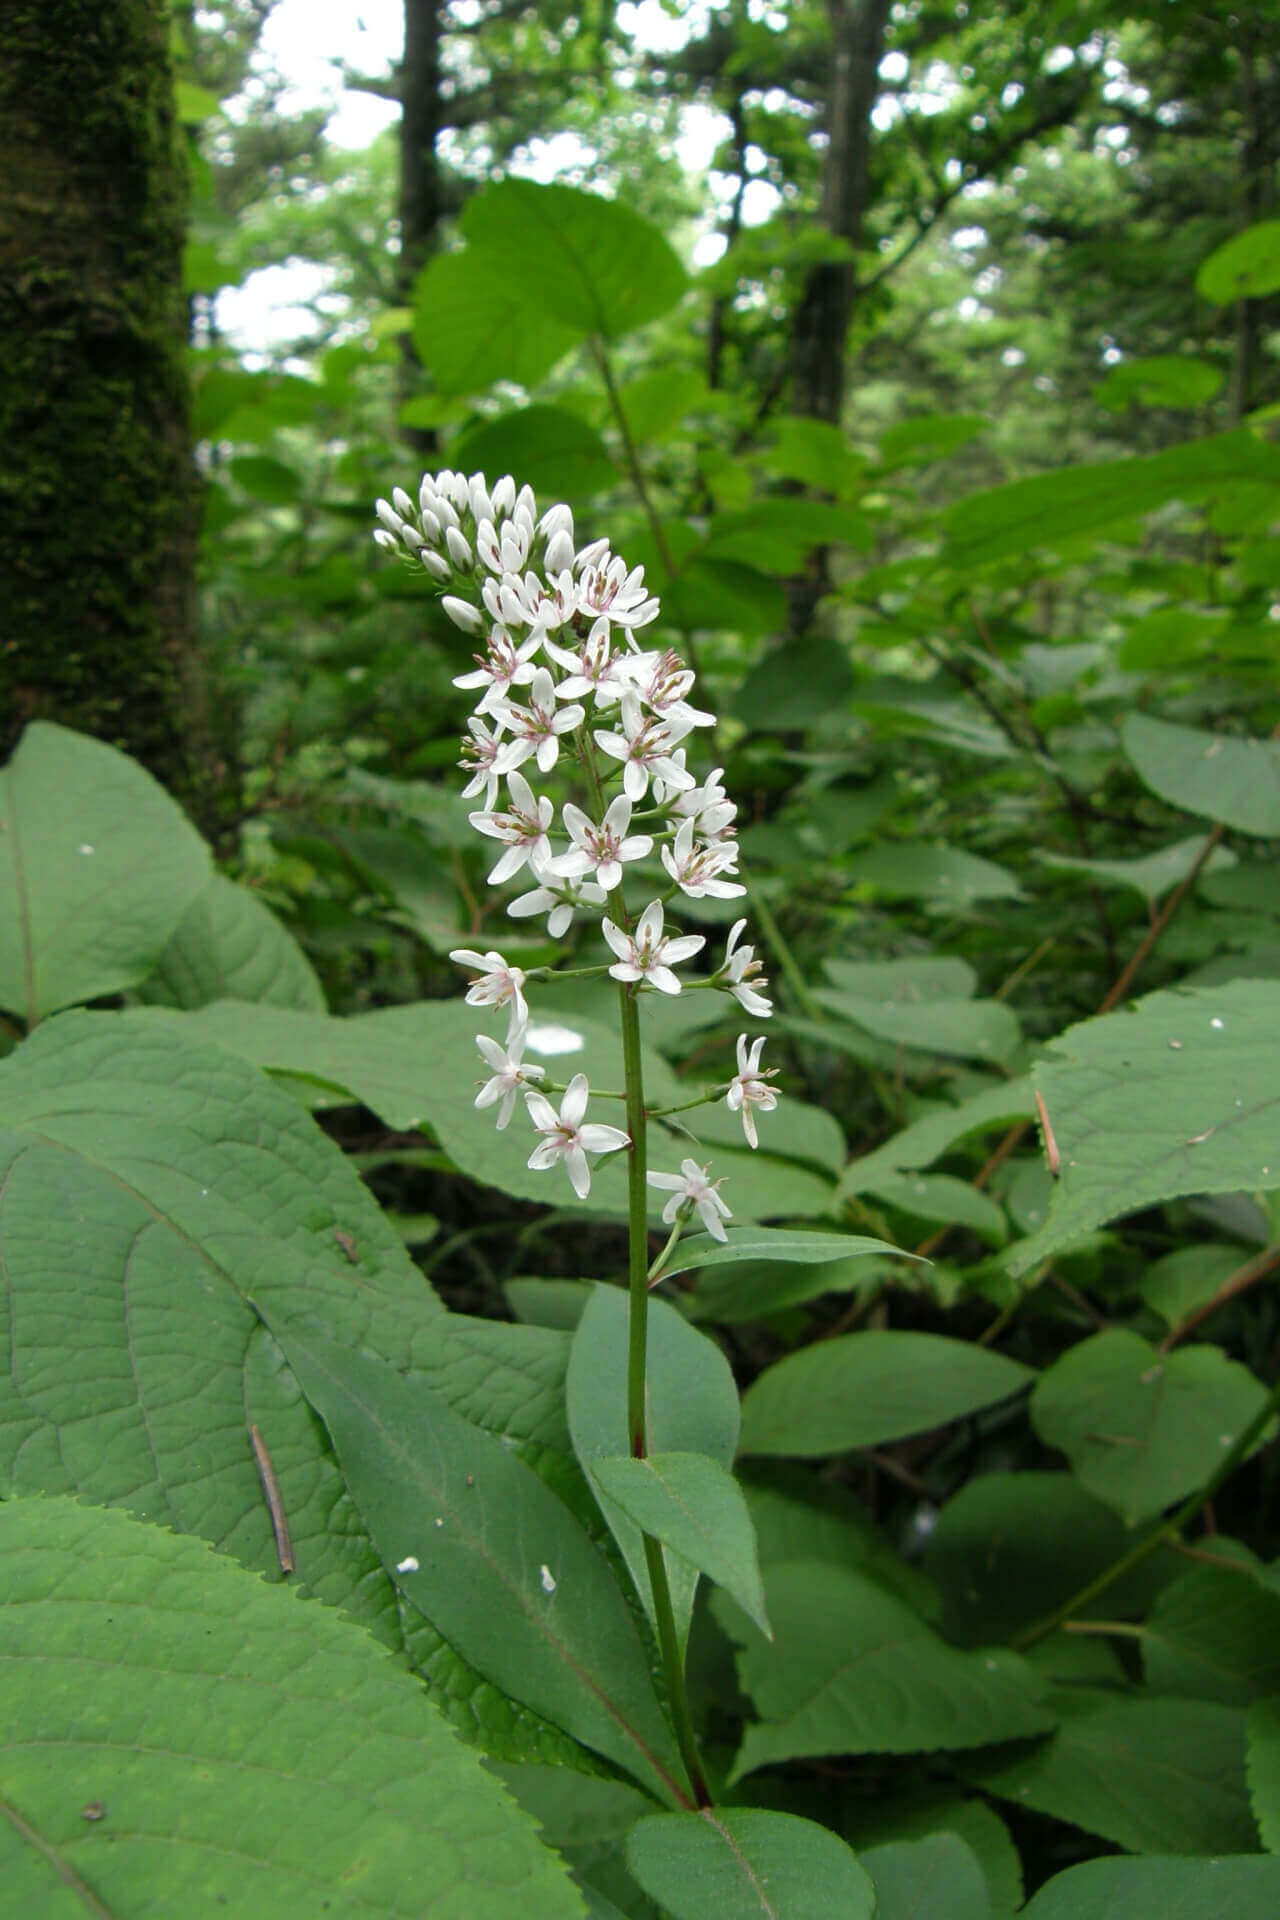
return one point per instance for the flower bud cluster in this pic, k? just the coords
(562, 682)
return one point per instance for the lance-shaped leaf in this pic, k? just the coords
(744, 1860)
(775, 1243)
(1223, 778)
(1177, 1096)
(1247, 1889)
(97, 866)
(691, 1405)
(489, 1555)
(179, 1738)
(690, 1503)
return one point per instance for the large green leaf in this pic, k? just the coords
(474, 324)
(1141, 1429)
(1236, 781)
(691, 1406)
(694, 1506)
(925, 1813)
(800, 1517)
(97, 867)
(591, 264)
(1174, 1889)
(775, 1244)
(937, 1876)
(745, 1861)
(1176, 1096)
(229, 946)
(554, 451)
(926, 1140)
(942, 1198)
(488, 1553)
(1158, 380)
(1263, 1767)
(1153, 875)
(969, 1029)
(853, 1670)
(1244, 267)
(865, 1389)
(178, 1738)
(1150, 1775)
(1214, 1635)
(946, 876)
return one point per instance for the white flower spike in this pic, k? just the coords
(748, 1087)
(690, 1189)
(565, 1137)
(645, 955)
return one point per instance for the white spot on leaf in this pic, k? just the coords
(547, 1578)
(408, 1565)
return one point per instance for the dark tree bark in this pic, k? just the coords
(421, 200)
(97, 487)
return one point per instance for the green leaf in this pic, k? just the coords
(926, 1140)
(194, 104)
(1010, 1547)
(775, 1244)
(1159, 380)
(1150, 1775)
(928, 436)
(695, 1507)
(270, 481)
(1050, 509)
(853, 1670)
(493, 1559)
(866, 1389)
(937, 1876)
(814, 452)
(229, 946)
(237, 1748)
(925, 1815)
(728, 1861)
(656, 403)
(1153, 875)
(1183, 1280)
(794, 685)
(1232, 780)
(553, 450)
(474, 324)
(1214, 1635)
(968, 1029)
(97, 866)
(1175, 1889)
(723, 595)
(601, 267)
(691, 1404)
(913, 979)
(776, 534)
(1244, 267)
(1142, 1429)
(1263, 1767)
(799, 1517)
(1175, 1096)
(940, 1197)
(943, 875)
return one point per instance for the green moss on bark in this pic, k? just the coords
(96, 482)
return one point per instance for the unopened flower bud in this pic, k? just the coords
(402, 503)
(559, 552)
(389, 517)
(436, 565)
(387, 541)
(463, 614)
(459, 551)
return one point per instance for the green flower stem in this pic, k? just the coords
(655, 1266)
(1160, 1536)
(703, 1100)
(637, 1355)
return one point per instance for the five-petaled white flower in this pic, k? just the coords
(537, 728)
(697, 866)
(565, 1137)
(600, 850)
(691, 1188)
(499, 985)
(645, 747)
(523, 826)
(502, 667)
(743, 975)
(645, 955)
(747, 1089)
(509, 1073)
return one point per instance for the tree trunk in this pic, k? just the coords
(421, 206)
(97, 487)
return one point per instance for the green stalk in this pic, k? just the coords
(637, 1354)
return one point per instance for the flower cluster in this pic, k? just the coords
(561, 682)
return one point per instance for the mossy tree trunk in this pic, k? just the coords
(97, 488)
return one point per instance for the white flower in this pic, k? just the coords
(662, 680)
(607, 590)
(645, 955)
(600, 850)
(747, 1089)
(564, 1137)
(537, 728)
(557, 898)
(523, 827)
(645, 746)
(498, 986)
(742, 974)
(509, 1073)
(690, 1187)
(504, 665)
(696, 868)
(485, 758)
(595, 668)
(709, 807)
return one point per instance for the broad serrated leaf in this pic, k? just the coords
(853, 1670)
(775, 1244)
(553, 450)
(691, 1406)
(1244, 267)
(1176, 1096)
(1263, 1768)
(1141, 1429)
(937, 1876)
(866, 1389)
(1174, 1889)
(1218, 775)
(694, 1506)
(731, 1861)
(488, 1554)
(474, 324)
(602, 268)
(232, 1748)
(229, 946)
(1150, 1775)
(1214, 1635)
(97, 867)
